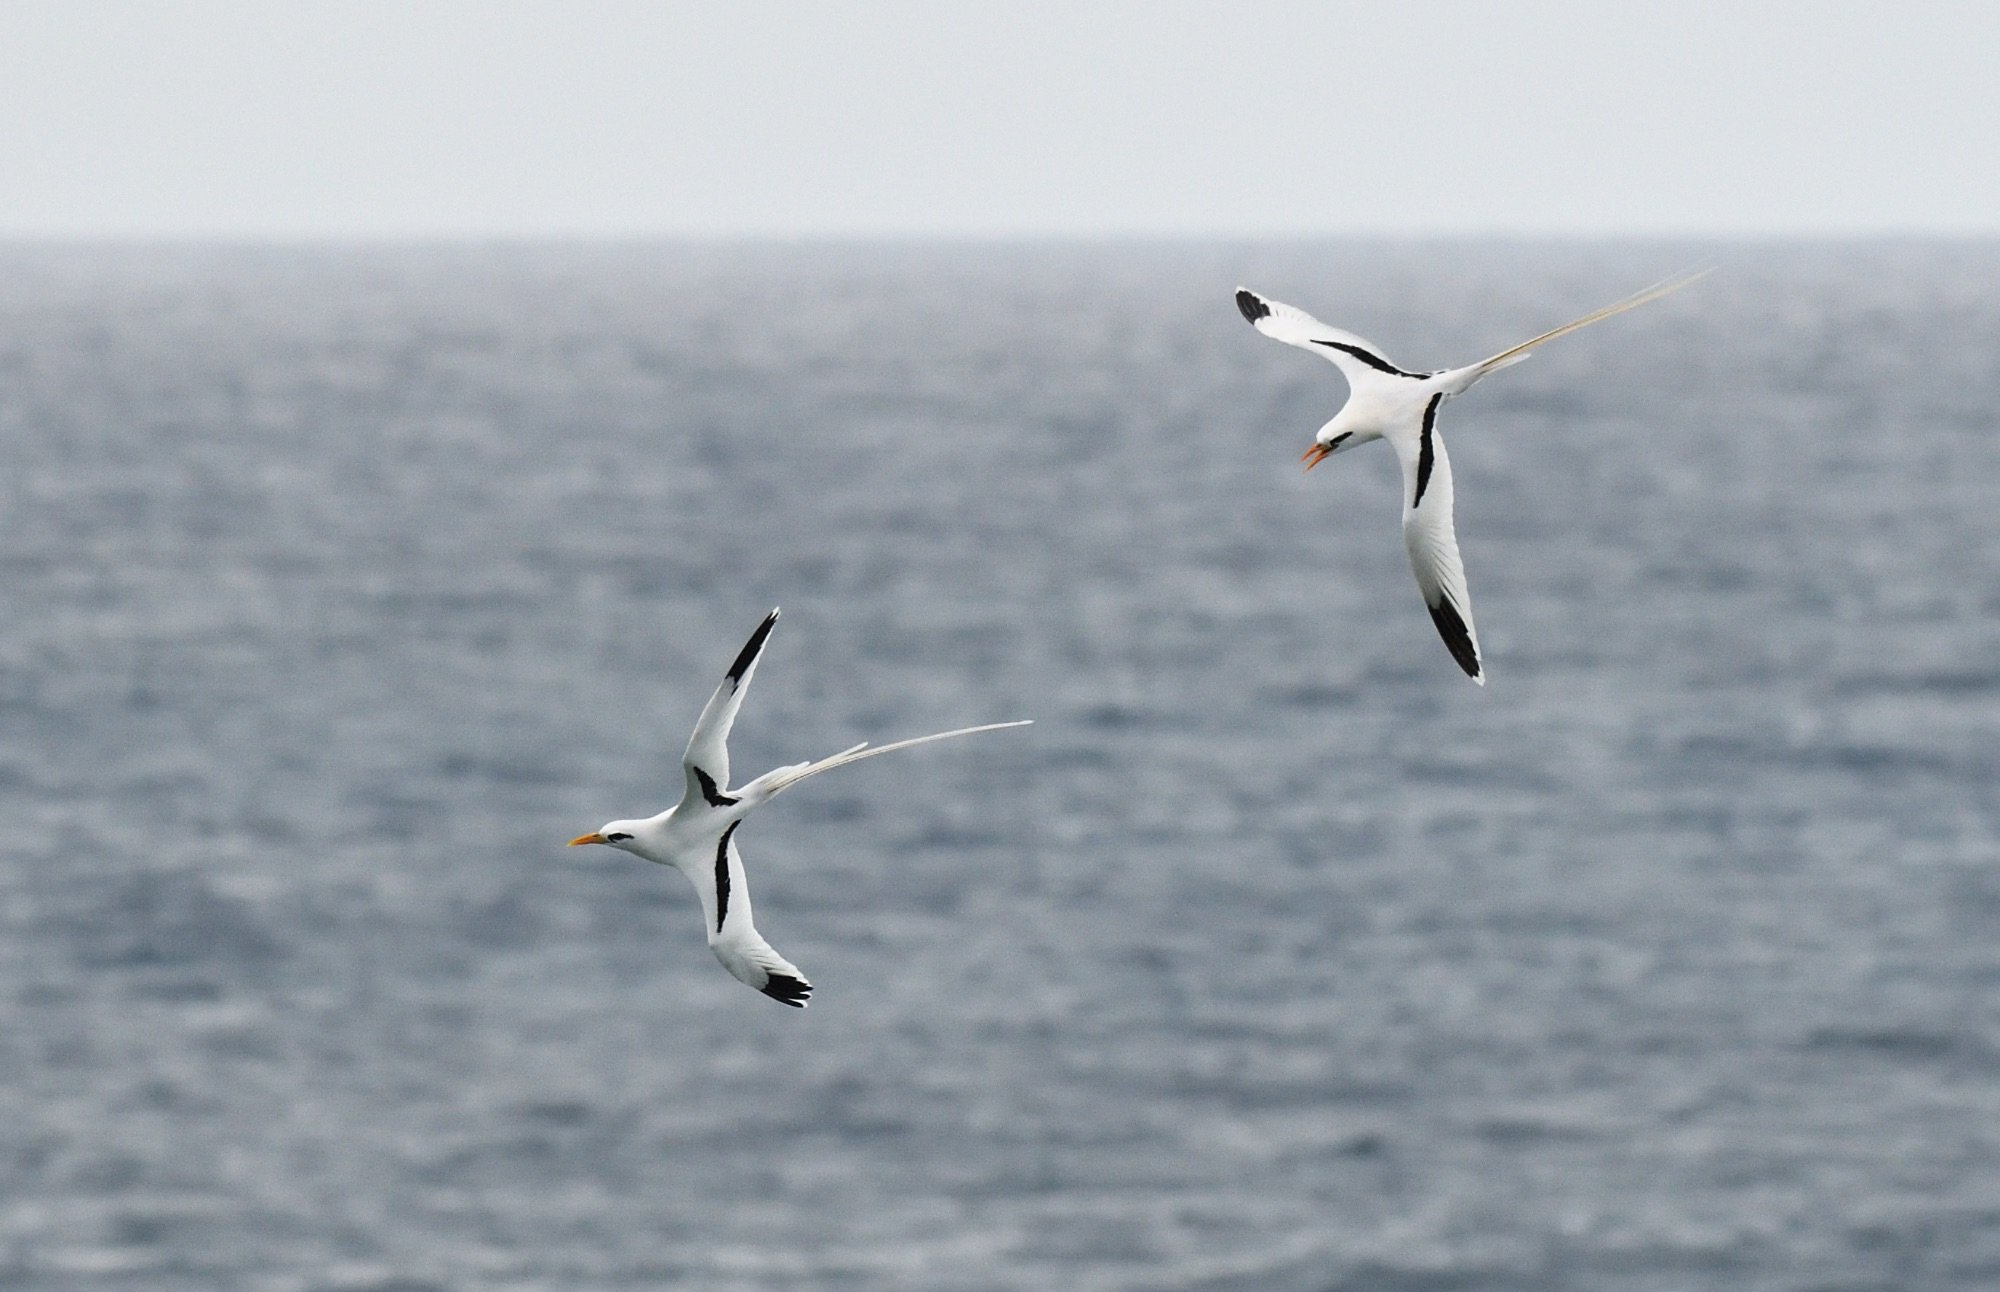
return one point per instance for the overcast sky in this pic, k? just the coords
(271, 118)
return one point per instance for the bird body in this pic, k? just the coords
(697, 836)
(1388, 402)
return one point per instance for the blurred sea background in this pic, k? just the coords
(343, 585)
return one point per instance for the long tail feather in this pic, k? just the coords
(1516, 353)
(786, 777)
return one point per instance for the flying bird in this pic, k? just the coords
(697, 836)
(1386, 402)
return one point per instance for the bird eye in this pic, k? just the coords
(616, 838)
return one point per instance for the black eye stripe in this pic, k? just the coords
(616, 838)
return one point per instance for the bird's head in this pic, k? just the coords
(1330, 441)
(616, 834)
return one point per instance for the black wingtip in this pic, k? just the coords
(1251, 304)
(1457, 638)
(748, 655)
(787, 990)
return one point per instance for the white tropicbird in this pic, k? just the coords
(697, 835)
(1386, 403)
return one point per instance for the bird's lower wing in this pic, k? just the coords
(1360, 361)
(706, 762)
(1433, 547)
(784, 778)
(732, 930)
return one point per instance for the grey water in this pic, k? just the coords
(343, 585)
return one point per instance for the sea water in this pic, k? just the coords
(343, 585)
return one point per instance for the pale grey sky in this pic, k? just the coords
(361, 118)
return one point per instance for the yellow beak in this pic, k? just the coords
(586, 838)
(1315, 455)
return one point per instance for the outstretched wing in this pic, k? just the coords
(732, 933)
(707, 759)
(1360, 361)
(1433, 546)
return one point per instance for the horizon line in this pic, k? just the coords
(607, 238)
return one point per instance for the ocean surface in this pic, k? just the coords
(343, 586)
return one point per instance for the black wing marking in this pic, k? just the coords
(722, 876)
(1373, 360)
(785, 989)
(1425, 455)
(1457, 639)
(748, 654)
(713, 793)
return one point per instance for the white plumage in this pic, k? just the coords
(1388, 402)
(697, 836)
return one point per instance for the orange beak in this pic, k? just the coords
(586, 838)
(1315, 455)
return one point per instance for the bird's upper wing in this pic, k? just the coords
(732, 933)
(1360, 361)
(707, 759)
(1433, 546)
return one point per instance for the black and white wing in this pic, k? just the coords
(1360, 361)
(1433, 546)
(707, 758)
(732, 934)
